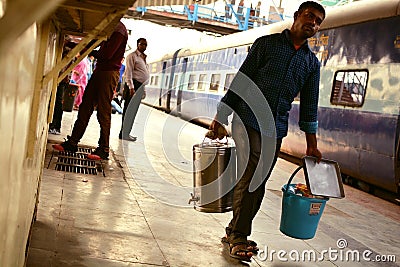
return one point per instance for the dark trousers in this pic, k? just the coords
(99, 92)
(252, 148)
(58, 108)
(130, 111)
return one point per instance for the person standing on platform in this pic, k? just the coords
(91, 63)
(278, 66)
(55, 125)
(99, 93)
(121, 74)
(136, 76)
(79, 76)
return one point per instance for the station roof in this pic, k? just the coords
(81, 17)
(87, 19)
(78, 17)
(94, 17)
(95, 20)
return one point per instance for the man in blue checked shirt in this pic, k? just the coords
(277, 68)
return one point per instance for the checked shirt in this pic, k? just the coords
(280, 72)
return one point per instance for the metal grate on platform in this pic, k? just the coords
(76, 162)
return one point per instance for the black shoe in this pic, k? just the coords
(66, 146)
(127, 138)
(130, 138)
(98, 154)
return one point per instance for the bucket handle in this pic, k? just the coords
(291, 178)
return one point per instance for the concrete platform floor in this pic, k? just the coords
(138, 213)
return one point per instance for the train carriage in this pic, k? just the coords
(359, 105)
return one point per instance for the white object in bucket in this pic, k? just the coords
(323, 178)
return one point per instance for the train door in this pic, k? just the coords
(167, 83)
(170, 83)
(181, 85)
(174, 93)
(164, 78)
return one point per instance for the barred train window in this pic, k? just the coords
(202, 82)
(349, 88)
(214, 85)
(228, 80)
(192, 78)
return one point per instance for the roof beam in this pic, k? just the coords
(70, 56)
(94, 34)
(92, 6)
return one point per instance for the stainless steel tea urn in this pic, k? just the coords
(214, 176)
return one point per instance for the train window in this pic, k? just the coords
(349, 88)
(202, 82)
(214, 85)
(192, 79)
(156, 81)
(228, 80)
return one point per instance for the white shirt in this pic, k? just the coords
(136, 68)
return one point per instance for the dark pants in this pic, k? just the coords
(132, 110)
(58, 108)
(251, 148)
(99, 92)
(119, 88)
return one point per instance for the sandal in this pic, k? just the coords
(251, 245)
(237, 250)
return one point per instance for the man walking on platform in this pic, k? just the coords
(99, 93)
(136, 76)
(277, 68)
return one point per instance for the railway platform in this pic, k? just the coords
(133, 210)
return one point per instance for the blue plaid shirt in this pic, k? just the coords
(280, 72)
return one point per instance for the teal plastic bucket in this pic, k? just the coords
(300, 215)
